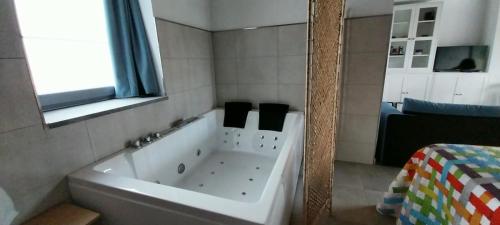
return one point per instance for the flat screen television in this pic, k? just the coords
(461, 59)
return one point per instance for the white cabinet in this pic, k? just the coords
(491, 93)
(414, 86)
(457, 88)
(442, 88)
(393, 88)
(414, 36)
(413, 44)
(469, 89)
(398, 87)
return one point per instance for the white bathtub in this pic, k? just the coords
(232, 176)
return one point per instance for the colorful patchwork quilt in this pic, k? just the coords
(447, 184)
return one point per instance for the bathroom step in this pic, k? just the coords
(65, 214)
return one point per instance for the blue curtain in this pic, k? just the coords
(133, 61)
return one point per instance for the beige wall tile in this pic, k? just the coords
(11, 45)
(110, 133)
(19, 108)
(292, 69)
(209, 98)
(198, 42)
(225, 93)
(202, 100)
(355, 152)
(262, 70)
(226, 71)
(368, 34)
(35, 163)
(258, 93)
(172, 39)
(152, 118)
(361, 100)
(7, 16)
(366, 68)
(10, 38)
(366, 47)
(292, 39)
(293, 95)
(258, 42)
(358, 128)
(225, 45)
(46, 196)
(182, 107)
(200, 73)
(176, 74)
(265, 57)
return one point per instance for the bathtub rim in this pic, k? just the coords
(182, 200)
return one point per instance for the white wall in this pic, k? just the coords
(194, 13)
(462, 22)
(233, 14)
(495, 55)
(492, 90)
(490, 23)
(490, 34)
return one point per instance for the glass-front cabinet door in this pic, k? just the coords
(401, 23)
(397, 55)
(423, 55)
(426, 22)
(413, 37)
(401, 28)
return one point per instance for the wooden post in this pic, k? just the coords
(322, 106)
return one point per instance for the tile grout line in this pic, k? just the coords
(237, 59)
(91, 142)
(12, 58)
(19, 128)
(278, 98)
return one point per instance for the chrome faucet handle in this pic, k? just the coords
(157, 135)
(147, 139)
(136, 144)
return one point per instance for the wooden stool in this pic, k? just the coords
(65, 214)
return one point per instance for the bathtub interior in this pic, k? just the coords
(206, 157)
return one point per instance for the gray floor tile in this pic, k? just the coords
(357, 189)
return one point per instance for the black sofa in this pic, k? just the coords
(424, 123)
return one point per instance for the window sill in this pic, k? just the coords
(75, 114)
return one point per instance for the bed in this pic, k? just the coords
(447, 184)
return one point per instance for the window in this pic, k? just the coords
(67, 48)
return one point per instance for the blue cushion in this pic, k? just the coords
(387, 108)
(414, 106)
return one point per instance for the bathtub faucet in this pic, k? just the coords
(152, 137)
(135, 144)
(182, 122)
(143, 141)
(147, 139)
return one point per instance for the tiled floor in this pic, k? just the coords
(357, 189)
